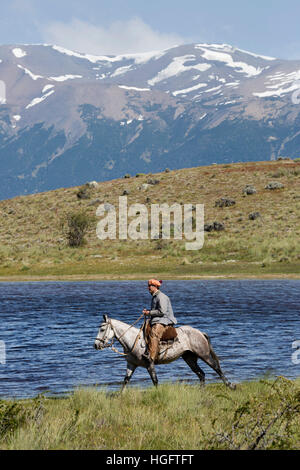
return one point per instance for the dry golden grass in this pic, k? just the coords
(32, 245)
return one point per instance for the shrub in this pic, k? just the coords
(75, 227)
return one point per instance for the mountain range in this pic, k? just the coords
(67, 117)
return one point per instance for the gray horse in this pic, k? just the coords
(191, 344)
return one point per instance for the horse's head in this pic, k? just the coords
(105, 334)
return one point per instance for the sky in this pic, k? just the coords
(268, 27)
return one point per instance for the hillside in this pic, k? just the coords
(32, 245)
(67, 117)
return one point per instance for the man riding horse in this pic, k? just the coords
(161, 317)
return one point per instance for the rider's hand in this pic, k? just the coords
(146, 312)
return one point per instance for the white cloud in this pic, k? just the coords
(120, 37)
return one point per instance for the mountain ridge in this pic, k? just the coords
(68, 117)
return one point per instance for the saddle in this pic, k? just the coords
(169, 335)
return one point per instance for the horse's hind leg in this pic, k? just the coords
(191, 360)
(129, 372)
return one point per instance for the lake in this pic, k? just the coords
(47, 331)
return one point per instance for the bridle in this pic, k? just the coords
(103, 341)
(110, 345)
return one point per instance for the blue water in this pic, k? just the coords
(48, 330)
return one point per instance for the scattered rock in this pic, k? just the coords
(284, 158)
(84, 193)
(224, 202)
(254, 215)
(126, 192)
(127, 175)
(215, 226)
(92, 185)
(167, 170)
(249, 189)
(144, 187)
(274, 185)
(153, 181)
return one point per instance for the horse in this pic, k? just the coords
(191, 344)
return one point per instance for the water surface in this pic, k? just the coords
(49, 330)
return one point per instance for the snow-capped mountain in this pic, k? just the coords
(68, 117)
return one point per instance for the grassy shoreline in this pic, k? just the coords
(90, 278)
(261, 414)
(170, 271)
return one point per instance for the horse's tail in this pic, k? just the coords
(211, 351)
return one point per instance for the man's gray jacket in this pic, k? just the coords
(161, 309)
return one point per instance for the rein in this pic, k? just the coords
(110, 345)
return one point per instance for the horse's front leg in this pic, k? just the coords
(152, 372)
(129, 372)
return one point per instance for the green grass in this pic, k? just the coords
(261, 414)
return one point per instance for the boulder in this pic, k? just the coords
(254, 215)
(84, 193)
(274, 185)
(92, 184)
(249, 189)
(153, 181)
(215, 226)
(224, 202)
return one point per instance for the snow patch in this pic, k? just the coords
(278, 92)
(286, 83)
(177, 67)
(63, 78)
(28, 72)
(258, 56)
(188, 90)
(231, 49)
(19, 53)
(247, 69)
(121, 70)
(137, 58)
(36, 101)
(133, 88)
(214, 89)
(47, 87)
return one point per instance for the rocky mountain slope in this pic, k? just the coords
(67, 117)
